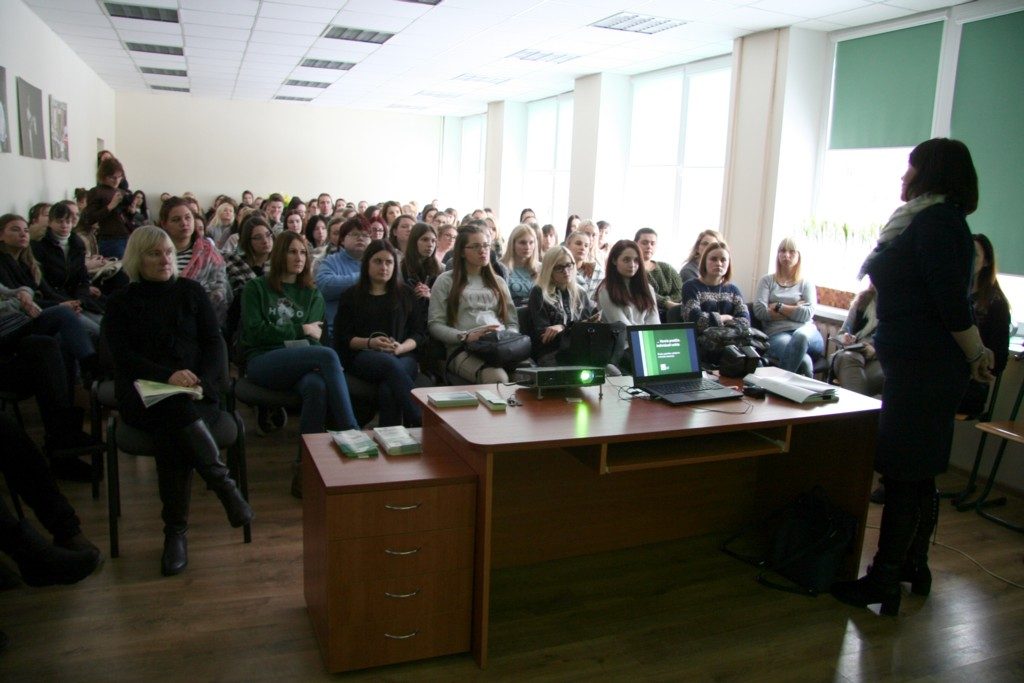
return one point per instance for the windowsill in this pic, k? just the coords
(830, 313)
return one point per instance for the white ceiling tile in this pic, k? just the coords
(346, 46)
(159, 61)
(166, 4)
(87, 43)
(246, 7)
(219, 69)
(272, 49)
(810, 10)
(686, 10)
(304, 73)
(819, 25)
(285, 29)
(752, 19)
(868, 15)
(215, 19)
(212, 47)
(173, 40)
(408, 10)
(215, 33)
(925, 5)
(372, 22)
(88, 54)
(280, 39)
(276, 10)
(71, 29)
(140, 26)
(505, 7)
(78, 18)
(65, 5)
(452, 21)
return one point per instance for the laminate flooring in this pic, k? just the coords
(678, 611)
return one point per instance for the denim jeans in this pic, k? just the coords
(66, 325)
(794, 349)
(112, 248)
(315, 373)
(394, 377)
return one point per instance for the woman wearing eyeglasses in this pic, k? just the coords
(556, 302)
(469, 301)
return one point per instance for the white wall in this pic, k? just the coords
(174, 143)
(505, 161)
(30, 50)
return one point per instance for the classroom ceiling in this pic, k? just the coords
(438, 57)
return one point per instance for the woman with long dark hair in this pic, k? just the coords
(419, 267)
(992, 315)
(625, 295)
(376, 332)
(104, 207)
(930, 349)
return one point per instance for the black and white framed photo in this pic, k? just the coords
(5, 128)
(30, 120)
(58, 129)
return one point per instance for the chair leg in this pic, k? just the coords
(960, 499)
(241, 470)
(113, 487)
(983, 502)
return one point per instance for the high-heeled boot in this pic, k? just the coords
(915, 569)
(174, 480)
(196, 441)
(881, 584)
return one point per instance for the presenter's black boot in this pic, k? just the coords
(915, 568)
(205, 457)
(881, 586)
(175, 484)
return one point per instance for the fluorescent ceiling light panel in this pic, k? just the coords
(162, 72)
(126, 11)
(169, 88)
(307, 84)
(327, 64)
(292, 98)
(637, 23)
(155, 49)
(358, 35)
(538, 56)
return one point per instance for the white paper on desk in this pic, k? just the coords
(790, 385)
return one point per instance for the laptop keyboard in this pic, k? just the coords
(686, 385)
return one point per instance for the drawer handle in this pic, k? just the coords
(403, 595)
(401, 508)
(389, 551)
(407, 636)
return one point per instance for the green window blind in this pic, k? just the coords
(884, 89)
(988, 115)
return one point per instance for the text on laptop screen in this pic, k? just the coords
(667, 350)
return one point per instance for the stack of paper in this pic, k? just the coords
(355, 444)
(397, 440)
(451, 399)
(152, 393)
(792, 386)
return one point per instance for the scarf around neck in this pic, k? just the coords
(897, 223)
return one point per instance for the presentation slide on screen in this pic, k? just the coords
(666, 352)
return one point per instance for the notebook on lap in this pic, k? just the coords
(665, 365)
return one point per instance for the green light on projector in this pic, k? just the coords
(586, 376)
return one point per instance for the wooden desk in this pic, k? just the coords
(560, 479)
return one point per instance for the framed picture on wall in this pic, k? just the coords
(5, 129)
(58, 129)
(30, 120)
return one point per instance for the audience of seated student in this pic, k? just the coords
(858, 369)
(427, 216)
(625, 295)
(691, 269)
(60, 254)
(527, 216)
(293, 221)
(222, 224)
(446, 234)
(377, 331)
(274, 209)
(104, 207)
(197, 259)
(603, 245)
(785, 302)
(469, 301)
(711, 299)
(398, 233)
(549, 239)
(572, 225)
(247, 262)
(161, 327)
(555, 303)
(389, 211)
(522, 263)
(38, 219)
(53, 313)
(298, 206)
(377, 228)
(339, 271)
(137, 211)
(247, 199)
(419, 267)
(282, 325)
(81, 196)
(324, 204)
(992, 316)
(589, 273)
(668, 288)
(316, 234)
(497, 238)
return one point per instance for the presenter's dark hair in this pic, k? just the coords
(944, 166)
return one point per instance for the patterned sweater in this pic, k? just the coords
(705, 304)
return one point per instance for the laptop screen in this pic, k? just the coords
(664, 351)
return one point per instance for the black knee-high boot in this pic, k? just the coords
(198, 446)
(899, 524)
(174, 479)
(915, 568)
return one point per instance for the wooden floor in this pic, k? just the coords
(678, 611)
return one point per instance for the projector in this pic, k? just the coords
(561, 377)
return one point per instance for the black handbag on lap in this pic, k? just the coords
(808, 539)
(502, 348)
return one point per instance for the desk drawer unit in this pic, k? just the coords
(388, 573)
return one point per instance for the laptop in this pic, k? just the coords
(666, 365)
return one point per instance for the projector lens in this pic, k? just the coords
(586, 376)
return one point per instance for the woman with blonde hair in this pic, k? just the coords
(522, 263)
(556, 302)
(589, 272)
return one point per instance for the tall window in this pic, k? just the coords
(678, 135)
(471, 163)
(548, 153)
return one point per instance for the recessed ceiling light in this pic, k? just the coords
(170, 88)
(360, 35)
(126, 11)
(475, 78)
(155, 49)
(637, 23)
(162, 72)
(538, 56)
(291, 98)
(307, 84)
(327, 64)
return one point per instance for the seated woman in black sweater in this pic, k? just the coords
(556, 302)
(161, 327)
(376, 331)
(60, 254)
(419, 264)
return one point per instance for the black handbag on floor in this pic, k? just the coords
(808, 539)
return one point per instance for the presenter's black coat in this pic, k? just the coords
(923, 279)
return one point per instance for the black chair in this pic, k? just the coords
(959, 499)
(228, 432)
